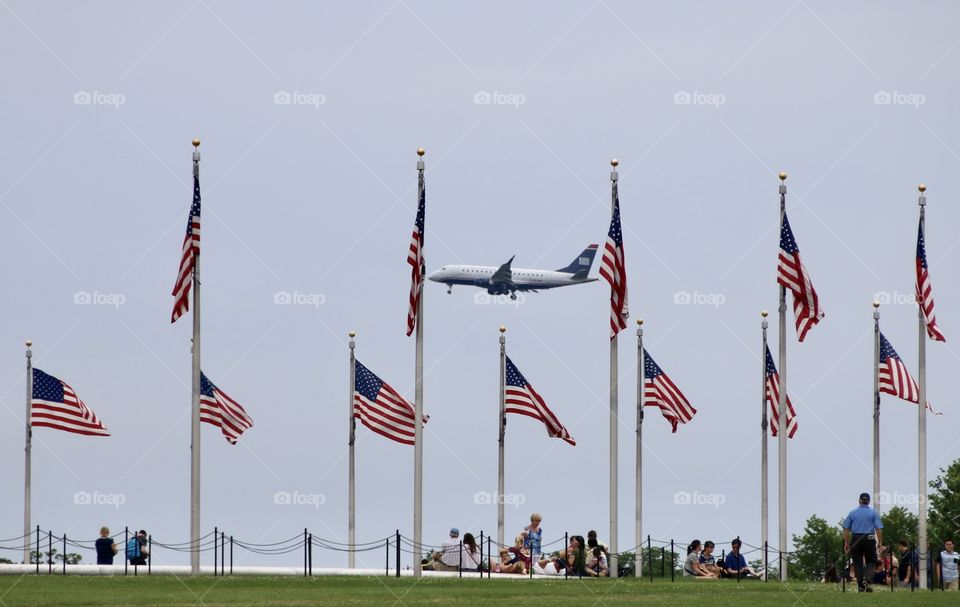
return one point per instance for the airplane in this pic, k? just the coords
(505, 279)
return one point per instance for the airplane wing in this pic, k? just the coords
(503, 275)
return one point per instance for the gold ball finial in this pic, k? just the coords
(503, 329)
(764, 313)
(614, 163)
(876, 304)
(196, 143)
(29, 342)
(922, 187)
(783, 176)
(421, 152)
(352, 334)
(639, 322)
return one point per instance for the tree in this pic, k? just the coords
(944, 506)
(819, 546)
(899, 524)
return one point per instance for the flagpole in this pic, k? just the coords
(418, 410)
(613, 409)
(922, 424)
(28, 447)
(352, 497)
(876, 405)
(195, 406)
(764, 443)
(782, 405)
(502, 422)
(638, 533)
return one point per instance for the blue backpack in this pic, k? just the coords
(133, 548)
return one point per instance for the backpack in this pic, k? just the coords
(133, 548)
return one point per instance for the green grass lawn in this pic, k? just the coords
(169, 591)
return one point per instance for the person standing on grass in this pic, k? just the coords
(533, 534)
(947, 566)
(862, 532)
(106, 547)
(137, 549)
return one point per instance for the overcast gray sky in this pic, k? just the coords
(703, 104)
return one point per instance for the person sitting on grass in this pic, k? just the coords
(448, 557)
(735, 566)
(708, 562)
(471, 554)
(510, 561)
(576, 556)
(596, 565)
(691, 566)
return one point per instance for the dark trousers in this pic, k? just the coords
(863, 551)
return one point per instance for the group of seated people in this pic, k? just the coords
(581, 557)
(702, 564)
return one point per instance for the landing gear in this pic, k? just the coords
(513, 295)
(449, 289)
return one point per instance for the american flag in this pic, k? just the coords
(792, 275)
(54, 404)
(613, 270)
(417, 264)
(925, 290)
(894, 377)
(773, 397)
(522, 399)
(191, 249)
(380, 408)
(220, 410)
(660, 391)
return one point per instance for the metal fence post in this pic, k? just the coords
(673, 560)
(310, 554)
(215, 534)
(49, 552)
(460, 561)
(64, 554)
(650, 558)
(231, 555)
(150, 554)
(304, 552)
(387, 546)
(126, 540)
(415, 552)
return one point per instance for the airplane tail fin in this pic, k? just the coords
(580, 266)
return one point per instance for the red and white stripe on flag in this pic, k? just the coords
(71, 415)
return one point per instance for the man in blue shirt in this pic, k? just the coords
(735, 565)
(862, 531)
